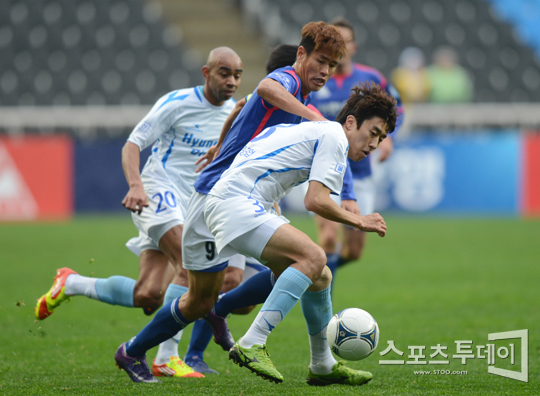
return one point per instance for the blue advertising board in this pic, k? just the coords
(454, 173)
(100, 184)
(457, 173)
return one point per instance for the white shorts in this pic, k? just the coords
(199, 251)
(238, 261)
(241, 224)
(165, 212)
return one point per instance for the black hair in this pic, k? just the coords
(281, 56)
(368, 101)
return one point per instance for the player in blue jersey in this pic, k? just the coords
(181, 126)
(329, 101)
(259, 278)
(280, 98)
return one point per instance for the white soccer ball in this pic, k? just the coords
(352, 334)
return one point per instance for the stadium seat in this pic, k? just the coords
(72, 52)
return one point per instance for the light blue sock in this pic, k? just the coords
(174, 291)
(116, 290)
(286, 292)
(317, 310)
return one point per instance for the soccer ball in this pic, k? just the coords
(352, 334)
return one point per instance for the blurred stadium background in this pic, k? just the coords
(77, 75)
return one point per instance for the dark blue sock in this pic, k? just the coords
(332, 261)
(200, 338)
(166, 323)
(252, 292)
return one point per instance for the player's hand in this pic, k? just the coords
(350, 206)
(136, 199)
(208, 158)
(385, 149)
(373, 223)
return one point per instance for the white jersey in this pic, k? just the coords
(284, 156)
(182, 125)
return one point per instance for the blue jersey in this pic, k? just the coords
(256, 115)
(333, 96)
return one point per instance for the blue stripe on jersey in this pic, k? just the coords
(276, 152)
(269, 155)
(197, 92)
(166, 156)
(171, 97)
(270, 171)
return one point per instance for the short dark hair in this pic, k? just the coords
(281, 56)
(342, 22)
(318, 35)
(368, 101)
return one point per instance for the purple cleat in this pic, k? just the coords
(136, 368)
(199, 366)
(222, 335)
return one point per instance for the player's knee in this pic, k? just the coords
(325, 279)
(316, 261)
(147, 297)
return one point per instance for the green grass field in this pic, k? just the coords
(430, 281)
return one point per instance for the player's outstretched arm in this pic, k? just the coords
(275, 94)
(214, 150)
(136, 199)
(318, 200)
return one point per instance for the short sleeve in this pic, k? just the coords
(288, 81)
(330, 160)
(158, 121)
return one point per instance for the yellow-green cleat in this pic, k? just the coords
(257, 359)
(174, 368)
(340, 374)
(55, 296)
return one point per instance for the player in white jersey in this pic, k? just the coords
(262, 173)
(182, 125)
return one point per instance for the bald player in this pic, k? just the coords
(181, 126)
